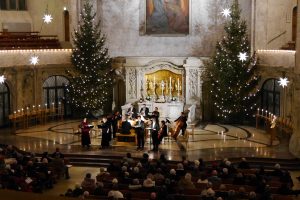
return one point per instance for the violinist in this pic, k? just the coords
(144, 111)
(140, 130)
(115, 118)
(182, 120)
(163, 131)
(155, 113)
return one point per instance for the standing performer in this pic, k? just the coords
(155, 113)
(131, 112)
(140, 130)
(85, 134)
(163, 131)
(115, 119)
(105, 133)
(154, 133)
(182, 120)
(144, 111)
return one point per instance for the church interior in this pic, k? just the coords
(159, 55)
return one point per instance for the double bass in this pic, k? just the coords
(178, 126)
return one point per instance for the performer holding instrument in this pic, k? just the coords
(140, 130)
(144, 111)
(180, 125)
(115, 119)
(163, 131)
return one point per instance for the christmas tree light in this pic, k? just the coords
(231, 72)
(91, 87)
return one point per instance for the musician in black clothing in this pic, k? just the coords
(140, 130)
(155, 113)
(144, 111)
(154, 133)
(163, 131)
(105, 128)
(116, 117)
(126, 126)
(183, 120)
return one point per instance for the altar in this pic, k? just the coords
(173, 85)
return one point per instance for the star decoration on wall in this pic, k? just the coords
(243, 56)
(226, 12)
(34, 60)
(2, 79)
(283, 82)
(47, 18)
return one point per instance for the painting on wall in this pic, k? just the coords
(167, 17)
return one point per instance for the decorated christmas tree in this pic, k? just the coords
(91, 83)
(231, 72)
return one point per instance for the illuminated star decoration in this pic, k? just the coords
(283, 82)
(34, 60)
(226, 12)
(47, 18)
(243, 56)
(2, 79)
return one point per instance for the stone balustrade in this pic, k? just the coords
(276, 58)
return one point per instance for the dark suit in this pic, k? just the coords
(155, 114)
(144, 111)
(126, 126)
(163, 132)
(154, 135)
(131, 112)
(115, 119)
(140, 130)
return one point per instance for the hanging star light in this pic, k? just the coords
(243, 56)
(226, 12)
(47, 18)
(34, 60)
(2, 79)
(283, 81)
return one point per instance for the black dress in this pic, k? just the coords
(105, 128)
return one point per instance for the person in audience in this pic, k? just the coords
(88, 183)
(77, 191)
(239, 179)
(202, 179)
(135, 185)
(186, 182)
(243, 164)
(214, 179)
(180, 171)
(85, 195)
(99, 190)
(252, 195)
(57, 154)
(115, 193)
(277, 170)
(222, 192)
(69, 193)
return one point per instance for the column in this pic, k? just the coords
(193, 83)
(294, 146)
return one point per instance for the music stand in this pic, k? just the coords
(150, 136)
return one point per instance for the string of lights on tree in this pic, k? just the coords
(231, 73)
(91, 86)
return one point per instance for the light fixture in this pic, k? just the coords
(2, 79)
(283, 82)
(243, 56)
(226, 12)
(47, 18)
(34, 60)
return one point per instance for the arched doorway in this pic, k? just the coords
(270, 99)
(67, 25)
(54, 89)
(4, 104)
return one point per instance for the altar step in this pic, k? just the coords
(104, 161)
